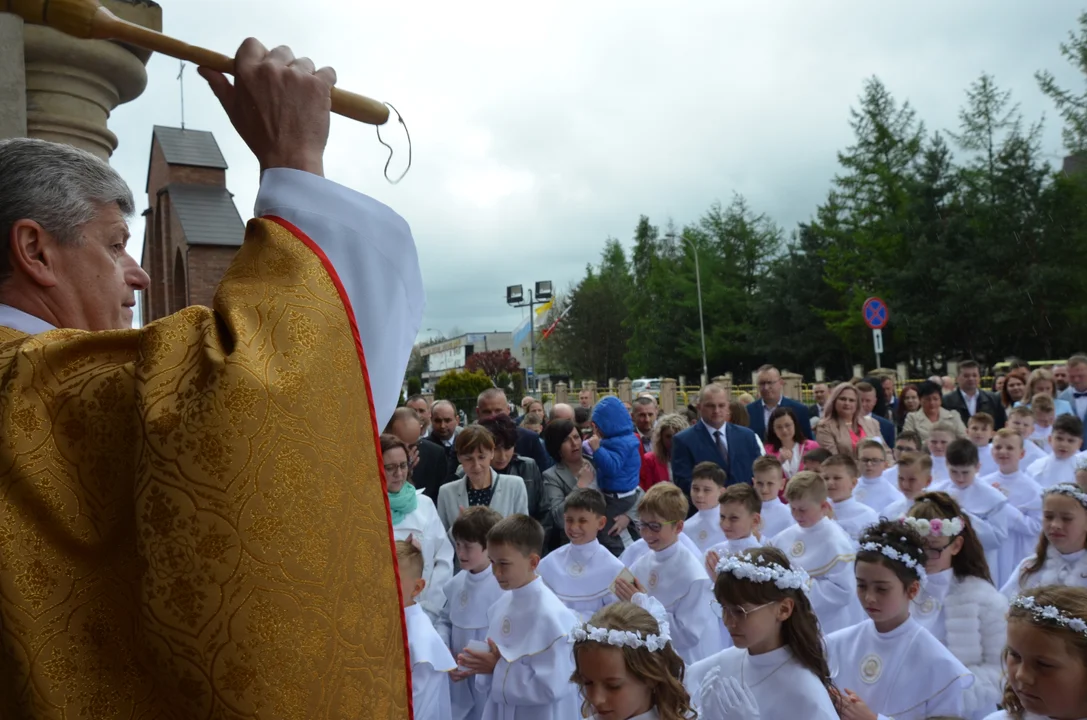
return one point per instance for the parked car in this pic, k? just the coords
(646, 385)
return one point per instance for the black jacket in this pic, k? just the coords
(434, 468)
(988, 402)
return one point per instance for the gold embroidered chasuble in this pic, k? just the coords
(192, 521)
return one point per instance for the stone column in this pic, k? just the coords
(12, 77)
(792, 385)
(726, 381)
(561, 392)
(624, 390)
(590, 385)
(668, 395)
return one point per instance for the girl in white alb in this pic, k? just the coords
(889, 665)
(776, 668)
(625, 665)
(1046, 656)
(1061, 557)
(959, 605)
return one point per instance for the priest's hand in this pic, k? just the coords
(853, 708)
(279, 104)
(480, 662)
(624, 590)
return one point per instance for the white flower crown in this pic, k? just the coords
(897, 556)
(1051, 613)
(1081, 463)
(938, 527)
(743, 568)
(583, 632)
(1072, 491)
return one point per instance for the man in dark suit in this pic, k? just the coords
(715, 440)
(444, 428)
(492, 402)
(430, 467)
(968, 398)
(770, 398)
(1076, 392)
(869, 397)
(819, 391)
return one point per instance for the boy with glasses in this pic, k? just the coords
(873, 489)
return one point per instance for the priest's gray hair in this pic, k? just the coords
(60, 187)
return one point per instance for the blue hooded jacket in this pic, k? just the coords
(619, 457)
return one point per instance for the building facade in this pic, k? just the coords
(453, 354)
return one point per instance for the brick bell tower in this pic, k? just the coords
(192, 228)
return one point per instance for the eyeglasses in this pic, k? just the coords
(933, 553)
(872, 461)
(400, 467)
(736, 612)
(653, 526)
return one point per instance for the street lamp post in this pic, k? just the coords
(698, 285)
(515, 297)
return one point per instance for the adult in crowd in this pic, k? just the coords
(786, 442)
(909, 400)
(1060, 377)
(169, 497)
(1076, 392)
(947, 383)
(998, 382)
(414, 514)
(429, 466)
(931, 412)
(844, 424)
(492, 402)
(968, 398)
(887, 383)
(561, 411)
(570, 470)
(874, 407)
(1015, 387)
(819, 393)
(644, 413)
(657, 463)
(506, 461)
(585, 399)
(444, 428)
(526, 403)
(1042, 382)
(770, 389)
(714, 439)
(481, 484)
(419, 404)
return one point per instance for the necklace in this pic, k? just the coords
(743, 665)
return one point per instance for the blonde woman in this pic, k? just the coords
(844, 424)
(657, 463)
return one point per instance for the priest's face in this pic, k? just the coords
(94, 281)
(1045, 671)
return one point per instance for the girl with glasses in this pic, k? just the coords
(960, 606)
(889, 666)
(776, 667)
(414, 515)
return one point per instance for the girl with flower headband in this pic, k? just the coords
(625, 665)
(1046, 656)
(889, 666)
(776, 667)
(1060, 558)
(959, 605)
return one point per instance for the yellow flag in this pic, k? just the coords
(545, 307)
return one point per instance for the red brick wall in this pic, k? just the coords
(207, 265)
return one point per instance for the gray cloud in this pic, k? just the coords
(541, 131)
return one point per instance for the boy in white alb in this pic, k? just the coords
(980, 430)
(913, 474)
(525, 673)
(872, 488)
(1023, 493)
(1060, 467)
(1045, 413)
(907, 441)
(740, 519)
(989, 510)
(431, 662)
(840, 474)
(581, 573)
(674, 577)
(469, 595)
(825, 551)
(639, 548)
(1021, 420)
(704, 527)
(769, 479)
(940, 437)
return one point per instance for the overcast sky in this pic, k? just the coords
(540, 130)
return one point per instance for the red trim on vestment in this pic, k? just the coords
(335, 276)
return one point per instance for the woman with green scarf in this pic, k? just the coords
(413, 513)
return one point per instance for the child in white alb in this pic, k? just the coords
(639, 548)
(525, 673)
(889, 665)
(873, 489)
(1047, 656)
(769, 480)
(820, 547)
(469, 595)
(1061, 557)
(1060, 467)
(581, 573)
(980, 431)
(907, 441)
(959, 605)
(913, 473)
(626, 666)
(990, 512)
(940, 437)
(1021, 420)
(777, 668)
(431, 662)
(1045, 412)
(673, 576)
(840, 474)
(704, 527)
(740, 520)
(1023, 493)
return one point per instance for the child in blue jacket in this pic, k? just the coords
(617, 453)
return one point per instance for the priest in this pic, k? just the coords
(192, 516)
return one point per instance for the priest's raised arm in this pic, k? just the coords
(193, 522)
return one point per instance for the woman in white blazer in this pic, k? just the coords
(481, 485)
